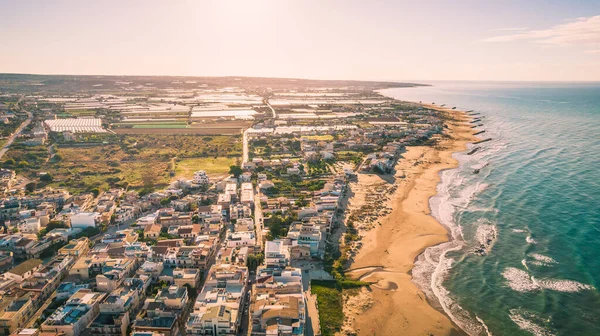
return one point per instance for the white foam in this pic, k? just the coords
(568, 286)
(433, 265)
(530, 240)
(542, 258)
(524, 319)
(518, 230)
(519, 280)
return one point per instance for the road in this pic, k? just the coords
(16, 133)
(258, 219)
(271, 107)
(245, 155)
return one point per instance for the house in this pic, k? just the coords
(219, 303)
(15, 311)
(157, 323)
(277, 254)
(75, 315)
(309, 235)
(175, 218)
(201, 178)
(152, 231)
(84, 220)
(113, 272)
(151, 269)
(76, 247)
(109, 324)
(265, 185)
(30, 225)
(147, 220)
(241, 238)
(186, 276)
(173, 297)
(278, 308)
(67, 289)
(125, 213)
(24, 270)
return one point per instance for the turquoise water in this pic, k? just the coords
(539, 196)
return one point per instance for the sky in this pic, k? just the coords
(365, 40)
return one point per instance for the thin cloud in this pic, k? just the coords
(509, 29)
(583, 32)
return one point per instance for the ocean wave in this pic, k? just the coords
(519, 230)
(530, 322)
(433, 265)
(519, 280)
(542, 258)
(522, 281)
(530, 240)
(568, 286)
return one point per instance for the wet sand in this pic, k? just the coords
(393, 305)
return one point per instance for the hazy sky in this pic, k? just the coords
(379, 40)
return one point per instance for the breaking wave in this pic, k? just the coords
(530, 322)
(522, 281)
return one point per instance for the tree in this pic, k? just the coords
(46, 178)
(254, 260)
(148, 179)
(10, 162)
(235, 170)
(30, 187)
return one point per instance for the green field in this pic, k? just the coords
(186, 167)
(329, 298)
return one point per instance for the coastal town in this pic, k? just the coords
(171, 206)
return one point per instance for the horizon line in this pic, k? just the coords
(404, 81)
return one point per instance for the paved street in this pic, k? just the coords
(12, 138)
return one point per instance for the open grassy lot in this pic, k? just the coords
(185, 168)
(127, 161)
(329, 298)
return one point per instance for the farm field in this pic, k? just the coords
(180, 131)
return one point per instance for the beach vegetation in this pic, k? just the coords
(331, 308)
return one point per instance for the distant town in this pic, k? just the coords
(171, 206)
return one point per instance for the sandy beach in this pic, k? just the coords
(393, 305)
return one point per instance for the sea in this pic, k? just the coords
(525, 253)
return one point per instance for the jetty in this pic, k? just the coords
(478, 125)
(473, 151)
(479, 132)
(475, 120)
(482, 141)
(469, 111)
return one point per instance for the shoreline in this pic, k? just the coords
(394, 305)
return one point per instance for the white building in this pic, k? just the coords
(200, 177)
(84, 220)
(242, 238)
(30, 225)
(277, 254)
